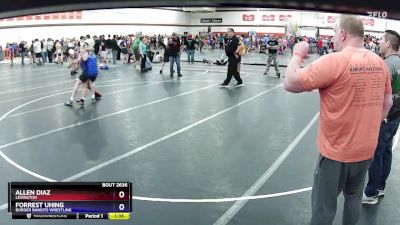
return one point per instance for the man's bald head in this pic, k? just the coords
(353, 25)
(349, 30)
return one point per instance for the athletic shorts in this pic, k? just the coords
(166, 58)
(124, 50)
(84, 78)
(38, 55)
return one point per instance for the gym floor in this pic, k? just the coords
(194, 151)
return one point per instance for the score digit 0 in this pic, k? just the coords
(121, 207)
(121, 194)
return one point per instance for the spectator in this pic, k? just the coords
(44, 50)
(50, 50)
(22, 49)
(135, 47)
(124, 50)
(37, 48)
(319, 46)
(221, 42)
(190, 46)
(96, 47)
(273, 46)
(109, 52)
(114, 47)
(143, 53)
(59, 54)
(379, 169)
(325, 46)
(174, 52)
(1, 53)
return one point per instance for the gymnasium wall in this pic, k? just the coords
(162, 21)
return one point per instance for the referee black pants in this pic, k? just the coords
(233, 70)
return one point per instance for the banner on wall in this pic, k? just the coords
(368, 22)
(268, 17)
(285, 17)
(63, 16)
(47, 17)
(76, 15)
(248, 17)
(331, 19)
(55, 16)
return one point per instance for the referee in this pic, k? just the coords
(232, 51)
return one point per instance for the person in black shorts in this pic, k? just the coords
(161, 45)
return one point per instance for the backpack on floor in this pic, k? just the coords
(147, 65)
(104, 67)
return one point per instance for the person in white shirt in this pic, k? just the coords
(82, 42)
(157, 58)
(372, 46)
(44, 51)
(89, 42)
(28, 51)
(37, 48)
(59, 54)
(71, 43)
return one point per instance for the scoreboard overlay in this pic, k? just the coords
(70, 200)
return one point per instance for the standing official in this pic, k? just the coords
(232, 51)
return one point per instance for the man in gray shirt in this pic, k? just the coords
(380, 166)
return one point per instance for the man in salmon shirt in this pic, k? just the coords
(355, 97)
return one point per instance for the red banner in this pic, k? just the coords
(268, 18)
(71, 15)
(63, 16)
(285, 17)
(331, 19)
(47, 16)
(248, 17)
(78, 15)
(368, 22)
(55, 16)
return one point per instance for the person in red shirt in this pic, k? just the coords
(319, 45)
